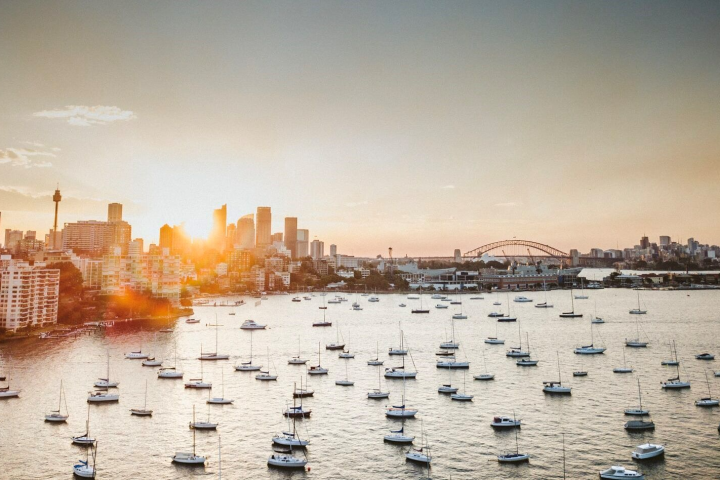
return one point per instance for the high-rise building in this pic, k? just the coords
(166, 236)
(333, 250)
(136, 247)
(28, 294)
(644, 243)
(317, 249)
(664, 240)
(231, 236)
(303, 243)
(245, 232)
(458, 256)
(218, 235)
(94, 238)
(291, 235)
(157, 273)
(115, 212)
(277, 237)
(263, 228)
(12, 238)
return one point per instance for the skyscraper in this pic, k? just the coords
(166, 237)
(245, 232)
(115, 212)
(291, 235)
(217, 237)
(263, 233)
(333, 250)
(303, 238)
(317, 249)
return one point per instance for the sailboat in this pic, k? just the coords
(317, 369)
(582, 295)
(707, 401)
(544, 304)
(376, 361)
(422, 454)
(303, 392)
(401, 411)
(447, 387)
(296, 360)
(673, 357)
(501, 317)
(595, 318)
(624, 368)
(202, 425)
(485, 376)
(421, 309)
(5, 392)
(590, 349)
(449, 344)
(142, 412)
(399, 351)
(557, 387)
(152, 361)
(105, 382)
(265, 375)
(515, 457)
(400, 372)
(282, 460)
(345, 382)
(527, 362)
(104, 396)
(324, 322)
(336, 345)
(83, 469)
(675, 383)
(56, 415)
(495, 340)
(636, 342)
(639, 411)
(571, 313)
(85, 439)
(297, 411)
(452, 362)
(171, 372)
(213, 355)
(378, 393)
(292, 439)
(517, 352)
(248, 366)
(582, 372)
(638, 310)
(462, 397)
(138, 355)
(460, 315)
(198, 383)
(220, 400)
(189, 458)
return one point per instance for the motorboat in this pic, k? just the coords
(139, 355)
(440, 305)
(705, 356)
(647, 450)
(513, 457)
(505, 422)
(620, 473)
(252, 325)
(192, 320)
(521, 299)
(494, 341)
(103, 397)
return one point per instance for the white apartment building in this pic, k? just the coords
(91, 270)
(157, 274)
(28, 294)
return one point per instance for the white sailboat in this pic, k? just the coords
(289, 461)
(142, 412)
(265, 375)
(248, 366)
(345, 382)
(517, 352)
(638, 411)
(337, 344)
(318, 369)
(571, 313)
(401, 411)
(637, 341)
(202, 425)
(514, 457)
(451, 343)
(557, 387)
(484, 376)
(422, 454)
(198, 383)
(673, 357)
(495, 340)
(590, 349)
(85, 438)
(171, 372)
(213, 355)
(56, 416)
(707, 401)
(376, 361)
(105, 382)
(190, 458)
(290, 438)
(527, 361)
(296, 360)
(675, 383)
(220, 400)
(461, 397)
(460, 315)
(400, 372)
(638, 310)
(82, 469)
(544, 304)
(624, 368)
(399, 351)
(378, 393)
(582, 295)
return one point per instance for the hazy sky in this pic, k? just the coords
(425, 126)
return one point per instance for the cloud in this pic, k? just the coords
(508, 204)
(81, 116)
(448, 187)
(356, 204)
(23, 157)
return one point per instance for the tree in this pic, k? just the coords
(70, 293)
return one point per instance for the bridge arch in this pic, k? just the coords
(551, 251)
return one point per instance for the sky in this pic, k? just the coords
(425, 126)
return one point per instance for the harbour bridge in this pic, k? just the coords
(529, 250)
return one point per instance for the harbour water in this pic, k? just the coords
(346, 429)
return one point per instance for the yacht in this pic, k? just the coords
(447, 388)
(637, 341)
(401, 350)
(56, 416)
(400, 372)
(220, 400)
(451, 343)
(337, 344)
(346, 354)
(139, 355)
(345, 382)
(647, 450)
(505, 422)
(105, 382)
(582, 295)
(624, 368)
(401, 411)
(202, 425)
(484, 376)
(517, 352)
(639, 425)
(296, 360)
(171, 372)
(452, 362)
(291, 439)
(638, 310)
(376, 361)
(103, 397)
(198, 383)
(705, 356)
(192, 320)
(142, 412)
(521, 299)
(189, 458)
(514, 457)
(620, 473)
(462, 397)
(556, 387)
(571, 313)
(590, 349)
(82, 469)
(673, 357)
(675, 383)
(378, 393)
(544, 304)
(283, 460)
(317, 369)
(252, 325)
(422, 454)
(248, 366)
(213, 355)
(398, 436)
(265, 375)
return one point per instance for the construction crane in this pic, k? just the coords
(532, 259)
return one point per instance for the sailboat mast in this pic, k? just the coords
(639, 395)
(60, 399)
(559, 374)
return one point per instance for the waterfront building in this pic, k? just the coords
(91, 270)
(28, 294)
(157, 274)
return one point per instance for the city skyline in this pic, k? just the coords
(577, 125)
